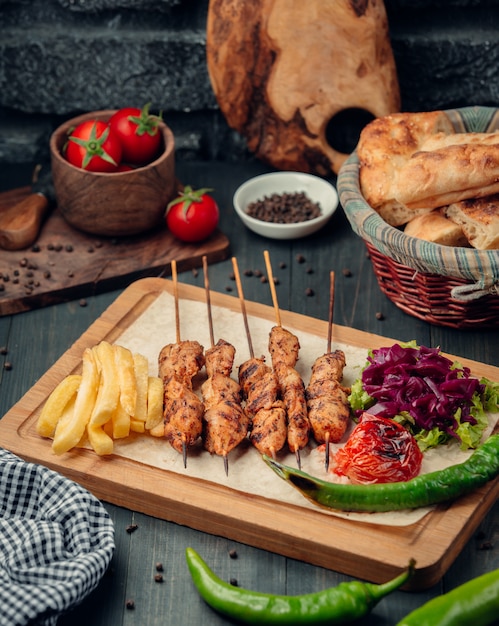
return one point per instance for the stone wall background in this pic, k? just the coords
(59, 58)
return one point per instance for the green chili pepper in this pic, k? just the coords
(423, 490)
(338, 605)
(475, 602)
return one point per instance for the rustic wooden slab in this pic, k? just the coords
(367, 550)
(70, 264)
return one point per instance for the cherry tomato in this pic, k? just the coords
(139, 134)
(93, 146)
(193, 215)
(379, 450)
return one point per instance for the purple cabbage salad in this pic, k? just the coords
(436, 399)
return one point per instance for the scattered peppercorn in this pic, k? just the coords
(50, 246)
(82, 302)
(263, 279)
(2, 287)
(233, 554)
(380, 316)
(16, 272)
(276, 281)
(346, 272)
(486, 545)
(3, 350)
(131, 528)
(282, 265)
(233, 582)
(159, 567)
(70, 273)
(309, 270)
(194, 272)
(158, 578)
(35, 248)
(7, 366)
(130, 605)
(309, 292)
(257, 273)
(23, 262)
(58, 247)
(228, 288)
(69, 248)
(300, 258)
(248, 272)
(90, 249)
(47, 274)
(232, 276)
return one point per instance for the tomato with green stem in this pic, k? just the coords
(193, 215)
(94, 147)
(139, 133)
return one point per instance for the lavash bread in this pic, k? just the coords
(437, 228)
(479, 220)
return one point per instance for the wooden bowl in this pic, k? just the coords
(118, 203)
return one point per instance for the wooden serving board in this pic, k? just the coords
(368, 550)
(71, 264)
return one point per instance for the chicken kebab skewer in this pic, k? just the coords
(225, 423)
(178, 363)
(260, 390)
(284, 347)
(327, 399)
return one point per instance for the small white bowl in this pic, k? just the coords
(317, 189)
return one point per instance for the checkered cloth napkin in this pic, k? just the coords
(56, 542)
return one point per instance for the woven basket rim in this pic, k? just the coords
(480, 267)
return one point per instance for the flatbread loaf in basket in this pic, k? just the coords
(441, 167)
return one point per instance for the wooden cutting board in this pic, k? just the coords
(67, 264)
(287, 72)
(366, 549)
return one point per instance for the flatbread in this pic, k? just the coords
(384, 146)
(412, 161)
(479, 220)
(437, 228)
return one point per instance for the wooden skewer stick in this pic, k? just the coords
(212, 335)
(177, 331)
(208, 299)
(243, 305)
(272, 287)
(245, 318)
(329, 346)
(275, 302)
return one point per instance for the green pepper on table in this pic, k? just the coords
(475, 603)
(342, 604)
(423, 490)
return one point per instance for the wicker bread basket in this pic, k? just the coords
(446, 286)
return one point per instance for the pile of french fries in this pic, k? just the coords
(113, 396)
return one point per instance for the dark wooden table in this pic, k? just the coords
(35, 340)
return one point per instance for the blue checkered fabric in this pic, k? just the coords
(56, 542)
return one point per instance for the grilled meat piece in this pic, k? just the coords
(283, 346)
(225, 422)
(220, 358)
(268, 430)
(327, 400)
(183, 415)
(182, 360)
(293, 396)
(259, 385)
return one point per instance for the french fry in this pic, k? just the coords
(101, 442)
(109, 389)
(158, 430)
(120, 423)
(68, 432)
(154, 402)
(125, 368)
(56, 403)
(141, 367)
(137, 426)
